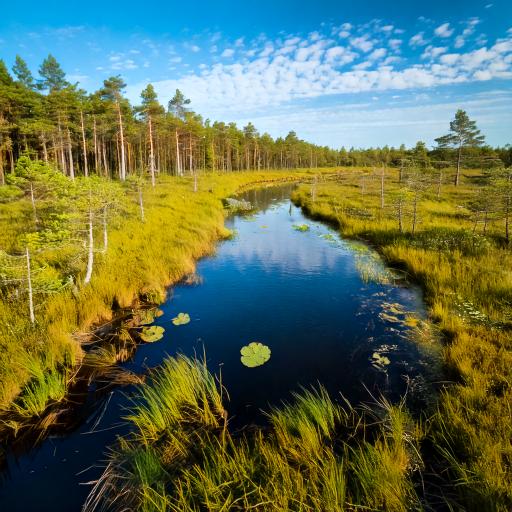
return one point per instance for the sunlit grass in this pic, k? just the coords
(142, 260)
(316, 454)
(467, 281)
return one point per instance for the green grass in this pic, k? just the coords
(315, 455)
(142, 260)
(467, 281)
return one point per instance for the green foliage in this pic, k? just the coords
(313, 455)
(153, 333)
(301, 227)
(181, 319)
(254, 354)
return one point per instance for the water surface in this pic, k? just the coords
(300, 293)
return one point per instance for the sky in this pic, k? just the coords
(339, 73)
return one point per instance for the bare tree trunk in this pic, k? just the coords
(84, 144)
(95, 139)
(178, 161)
(45, 149)
(29, 286)
(457, 175)
(190, 156)
(70, 155)
(151, 152)
(90, 258)
(122, 170)
(61, 150)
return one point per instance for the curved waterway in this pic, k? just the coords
(328, 309)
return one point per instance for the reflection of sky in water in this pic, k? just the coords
(271, 243)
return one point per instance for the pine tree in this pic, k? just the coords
(23, 73)
(463, 134)
(53, 77)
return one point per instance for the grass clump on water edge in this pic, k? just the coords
(315, 454)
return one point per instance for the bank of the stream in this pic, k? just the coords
(330, 312)
(39, 361)
(468, 287)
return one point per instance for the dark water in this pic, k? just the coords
(300, 293)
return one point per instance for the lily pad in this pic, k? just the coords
(181, 319)
(254, 354)
(301, 227)
(153, 333)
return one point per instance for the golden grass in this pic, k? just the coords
(468, 287)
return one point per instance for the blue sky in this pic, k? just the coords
(339, 73)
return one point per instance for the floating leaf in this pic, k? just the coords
(301, 227)
(254, 354)
(379, 361)
(328, 236)
(181, 319)
(153, 333)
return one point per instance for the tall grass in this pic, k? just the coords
(315, 455)
(142, 260)
(467, 281)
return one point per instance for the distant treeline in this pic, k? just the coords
(53, 120)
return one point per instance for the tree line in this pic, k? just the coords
(80, 133)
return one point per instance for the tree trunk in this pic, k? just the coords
(178, 161)
(45, 149)
(29, 286)
(95, 139)
(84, 144)
(61, 150)
(459, 157)
(70, 155)
(122, 170)
(151, 152)
(90, 258)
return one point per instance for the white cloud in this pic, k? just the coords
(377, 54)
(395, 44)
(432, 52)
(278, 72)
(362, 43)
(228, 52)
(418, 40)
(443, 30)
